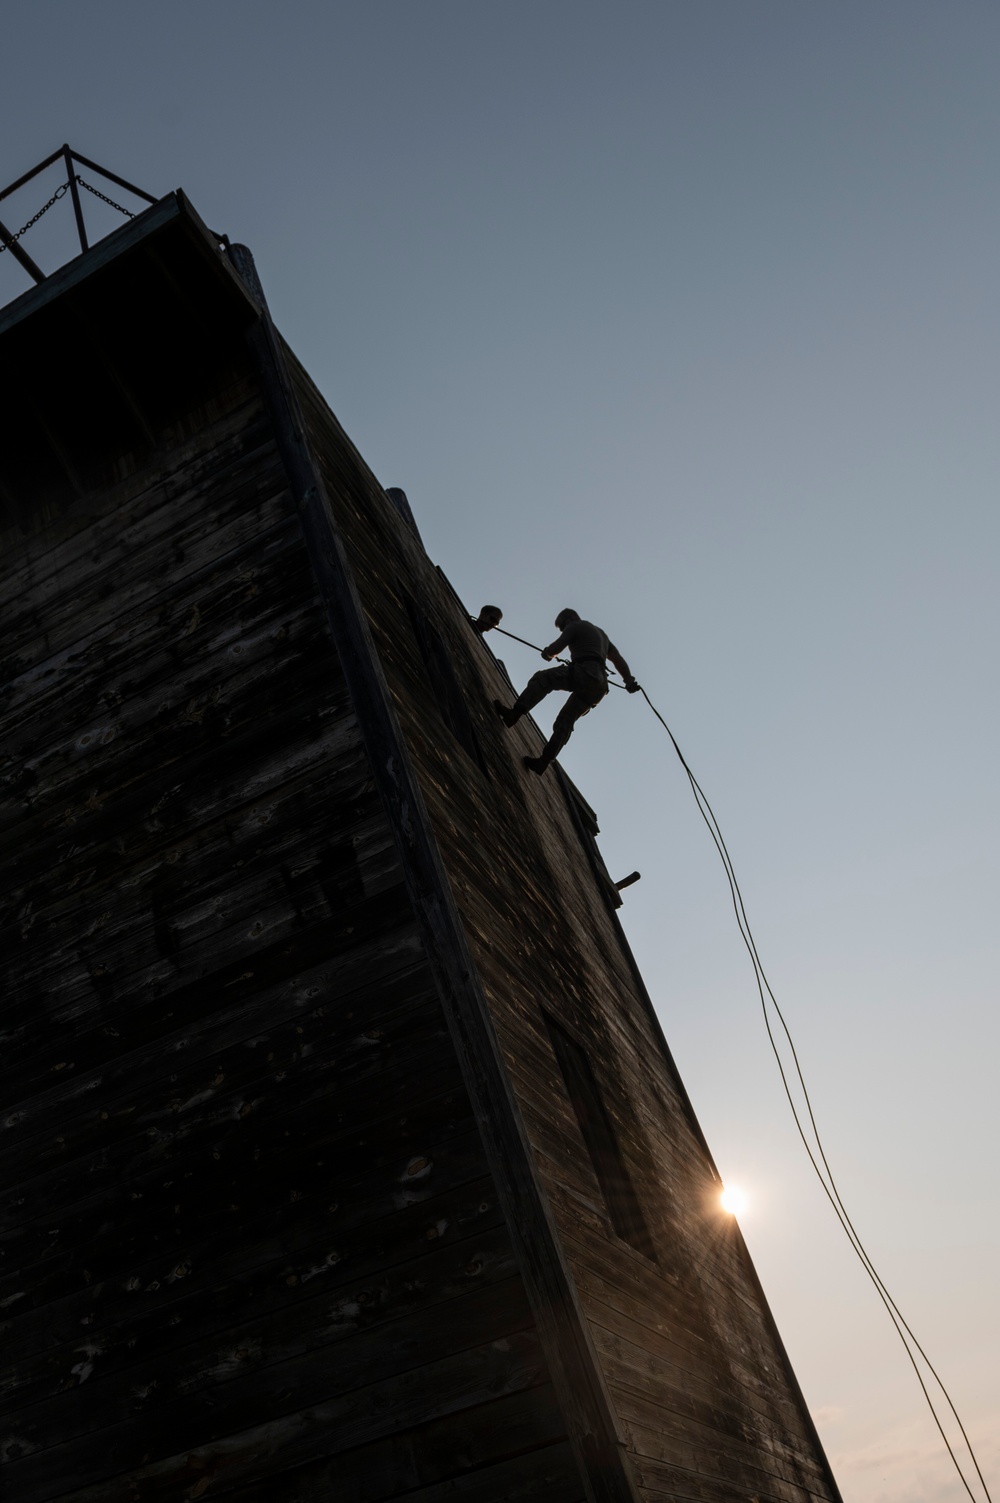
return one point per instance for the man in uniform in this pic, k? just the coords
(584, 678)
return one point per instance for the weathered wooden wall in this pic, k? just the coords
(281, 1220)
(704, 1396)
(252, 1247)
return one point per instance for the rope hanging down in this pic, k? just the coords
(815, 1151)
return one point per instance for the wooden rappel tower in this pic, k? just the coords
(343, 1156)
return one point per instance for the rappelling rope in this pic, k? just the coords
(826, 1180)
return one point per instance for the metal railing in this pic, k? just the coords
(10, 241)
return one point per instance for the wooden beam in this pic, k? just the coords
(27, 176)
(20, 256)
(112, 177)
(75, 195)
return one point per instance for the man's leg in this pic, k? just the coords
(588, 691)
(539, 684)
(562, 729)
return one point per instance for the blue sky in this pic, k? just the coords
(684, 314)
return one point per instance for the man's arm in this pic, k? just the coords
(623, 668)
(548, 653)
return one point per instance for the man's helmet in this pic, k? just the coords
(565, 617)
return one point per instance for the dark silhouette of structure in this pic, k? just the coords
(343, 1156)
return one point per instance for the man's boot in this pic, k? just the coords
(536, 764)
(509, 717)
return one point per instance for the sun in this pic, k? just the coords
(733, 1200)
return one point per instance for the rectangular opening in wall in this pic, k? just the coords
(624, 1211)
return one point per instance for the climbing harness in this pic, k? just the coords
(815, 1149)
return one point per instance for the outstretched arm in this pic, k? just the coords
(548, 653)
(623, 668)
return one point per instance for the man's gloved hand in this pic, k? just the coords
(547, 656)
(632, 685)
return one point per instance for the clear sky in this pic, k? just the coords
(684, 314)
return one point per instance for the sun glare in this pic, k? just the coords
(733, 1200)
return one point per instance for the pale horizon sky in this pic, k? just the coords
(684, 314)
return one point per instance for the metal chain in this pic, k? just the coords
(64, 188)
(98, 194)
(60, 192)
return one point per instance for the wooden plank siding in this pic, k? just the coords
(297, 1202)
(252, 1245)
(694, 1366)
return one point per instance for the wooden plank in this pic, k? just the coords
(161, 549)
(155, 916)
(616, 1312)
(204, 1272)
(91, 1011)
(694, 1380)
(98, 980)
(549, 1474)
(492, 1449)
(216, 841)
(258, 759)
(716, 1483)
(108, 1470)
(394, 1406)
(365, 1238)
(119, 520)
(746, 1466)
(194, 1182)
(174, 898)
(99, 803)
(123, 662)
(181, 725)
(261, 592)
(724, 1449)
(113, 1145)
(191, 1399)
(387, 983)
(343, 1319)
(191, 930)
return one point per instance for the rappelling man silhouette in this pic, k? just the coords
(584, 678)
